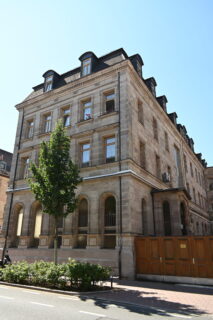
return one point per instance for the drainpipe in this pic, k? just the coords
(120, 179)
(13, 187)
(153, 214)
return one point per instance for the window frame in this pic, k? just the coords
(108, 94)
(106, 145)
(86, 68)
(82, 150)
(65, 115)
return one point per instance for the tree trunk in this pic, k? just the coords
(56, 242)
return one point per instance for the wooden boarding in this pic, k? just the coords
(175, 256)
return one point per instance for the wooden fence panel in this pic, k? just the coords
(175, 256)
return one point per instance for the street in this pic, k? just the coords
(20, 303)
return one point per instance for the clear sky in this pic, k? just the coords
(174, 38)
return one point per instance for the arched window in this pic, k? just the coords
(38, 223)
(183, 219)
(144, 217)
(109, 223)
(167, 218)
(19, 222)
(82, 224)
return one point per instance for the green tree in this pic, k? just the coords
(55, 179)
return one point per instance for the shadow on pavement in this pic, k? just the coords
(140, 302)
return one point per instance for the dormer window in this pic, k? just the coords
(48, 83)
(51, 79)
(86, 67)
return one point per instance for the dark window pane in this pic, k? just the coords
(83, 214)
(110, 212)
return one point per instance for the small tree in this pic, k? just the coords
(55, 179)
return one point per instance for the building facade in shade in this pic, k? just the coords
(209, 187)
(140, 173)
(5, 166)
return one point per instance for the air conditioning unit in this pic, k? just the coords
(166, 177)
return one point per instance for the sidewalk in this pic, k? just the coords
(182, 299)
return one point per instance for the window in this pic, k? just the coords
(187, 187)
(144, 217)
(87, 110)
(48, 83)
(140, 112)
(47, 123)
(110, 223)
(194, 195)
(3, 165)
(38, 223)
(30, 127)
(86, 67)
(109, 101)
(185, 163)
(110, 149)
(183, 219)
(25, 165)
(66, 117)
(157, 163)
(142, 155)
(19, 223)
(82, 224)
(155, 129)
(211, 186)
(196, 176)
(167, 219)
(191, 169)
(166, 141)
(169, 171)
(85, 154)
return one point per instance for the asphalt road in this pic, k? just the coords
(21, 304)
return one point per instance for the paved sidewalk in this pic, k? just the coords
(182, 299)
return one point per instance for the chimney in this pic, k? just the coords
(199, 156)
(173, 117)
(191, 144)
(151, 84)
(162, 100)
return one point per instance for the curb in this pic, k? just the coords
(72, 293)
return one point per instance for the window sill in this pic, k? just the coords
(27, 139)
(84, 121)
(106, 114)
(41, 134)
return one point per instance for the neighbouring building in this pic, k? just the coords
(209, 187)
(141, 175)
(5, 165)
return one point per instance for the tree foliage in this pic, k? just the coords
(56, 177)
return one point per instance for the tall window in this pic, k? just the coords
(87, 110)
(48, 83)
(188, 188)
(185, 163)
(167, 218)
(66, 117)
(183, 219)
(110, 149)
(85, 154)
(47, 123)
(142, 155)
(157, 164)
(86, 67)
(82, 224)
(38, 223)
(155, 128)
(178, 165)
(19, 222)
(166, 141)
(194, 195)
(191, 169)
(196, 176)
(140, 112)
(110, 223)
(109, 101)
(29, 129)
(144, 217)
(25, 165)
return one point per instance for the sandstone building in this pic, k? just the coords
(140, 173)
(5, 165)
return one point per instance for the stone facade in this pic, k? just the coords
(5, 165)
(209, 187)
(140, 173)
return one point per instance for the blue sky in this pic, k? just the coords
(174, 38)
